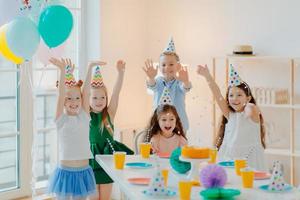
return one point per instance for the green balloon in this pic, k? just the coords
(55, 25)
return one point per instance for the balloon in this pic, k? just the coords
(55, 25)
(9, 9)
(23, 37)
(44, 53)
(4, 49)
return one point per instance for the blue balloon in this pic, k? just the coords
(55, 25)
(23, 37)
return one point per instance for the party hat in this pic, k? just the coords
(69, 77)
(234, 78)
(276, 182)
(157, 187)
(165, 97)
(97, 80)
(170, 47)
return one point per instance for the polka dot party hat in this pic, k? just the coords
(234, 78)
(157, 187)
(97, 80)
(165, 97)
(276, 182)
(69, 77)
(170, 47)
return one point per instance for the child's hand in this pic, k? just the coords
(149, 69)
(96, 63)
(183, 75)
(203, 70)
(251, 110)
(62, 63)
(121, 66)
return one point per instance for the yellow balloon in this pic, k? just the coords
(4, 49)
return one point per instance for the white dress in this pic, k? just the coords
(242, 136)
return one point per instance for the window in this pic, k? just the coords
(24, 117)
(9, 126)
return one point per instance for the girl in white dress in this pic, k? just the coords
(241, 133)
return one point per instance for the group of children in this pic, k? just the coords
(85, 121)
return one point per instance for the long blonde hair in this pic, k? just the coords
(105, 116)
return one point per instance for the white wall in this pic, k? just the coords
(123, 37)
(139, 29)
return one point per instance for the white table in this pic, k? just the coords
(134, 192)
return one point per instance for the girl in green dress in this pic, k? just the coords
(101, 124)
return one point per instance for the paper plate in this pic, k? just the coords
(229, 164)
(171, 193)
(164, 155)
(287, 188)
(139, 165)
(219, 193)
(139, 181)
(261, 175)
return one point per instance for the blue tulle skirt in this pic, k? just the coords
(72, 182)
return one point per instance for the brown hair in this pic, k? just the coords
(220, 135)
(167, 53)
(105, 121)
(153, 127)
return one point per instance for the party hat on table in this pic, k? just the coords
(157, 187)
(97, 80)
(276, 182)
(170, 47)
(69, 77)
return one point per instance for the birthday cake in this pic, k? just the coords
(194, 152)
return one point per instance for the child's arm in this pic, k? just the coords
(252, 111)
(203, 71)
(183, 76)
(87, 85)
(151, 72)
(114, 101)
(61, 64)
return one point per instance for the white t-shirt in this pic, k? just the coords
(242, 138)
(73, 136)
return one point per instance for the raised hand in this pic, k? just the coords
(62, 63)
(121, 66)
(149, 69)
(183, 75)
(203, 70)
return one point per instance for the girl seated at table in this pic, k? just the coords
(165, 131)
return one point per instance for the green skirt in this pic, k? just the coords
(100, 175)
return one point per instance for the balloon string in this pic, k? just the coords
(42, 76)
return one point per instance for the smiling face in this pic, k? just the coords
(73, 101)
(98, 99)
(167, 123)
(168, 66)
(237, 98)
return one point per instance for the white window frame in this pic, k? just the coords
(26, 107)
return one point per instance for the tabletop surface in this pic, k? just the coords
(135, 192)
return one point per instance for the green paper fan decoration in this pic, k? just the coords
(178, 165)
(220, 193)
